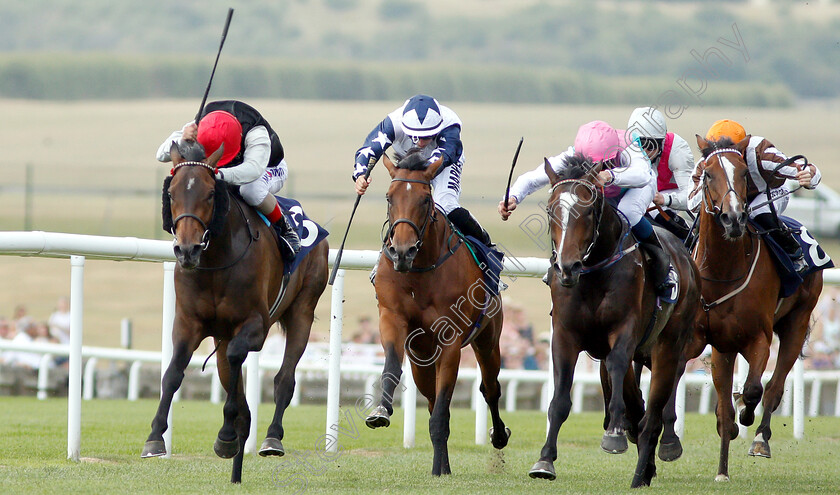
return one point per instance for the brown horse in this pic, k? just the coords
(230, 285)
(429, 310)
(603, 303)
(741, 299)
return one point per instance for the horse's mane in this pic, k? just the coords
(413, 160)
(575, 167)
(723, 142)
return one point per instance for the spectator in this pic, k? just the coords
(366, 333)
(59, 322)
(28, 331)
(517, 340)
(7, 333)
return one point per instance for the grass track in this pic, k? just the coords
(113, 432)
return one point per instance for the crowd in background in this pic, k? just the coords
(23, 328)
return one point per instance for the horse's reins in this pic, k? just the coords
(618, 252)
(205, 238)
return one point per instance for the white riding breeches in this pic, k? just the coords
(446, 187)
(270, 183)
(780, 196)
(635, 201)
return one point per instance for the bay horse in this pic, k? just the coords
(432, 301)
(229, 285)
(603, 304)
(741, 299)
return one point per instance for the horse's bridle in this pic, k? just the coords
(205, 238)
(593, 189)
(716, 210)
(421, 231)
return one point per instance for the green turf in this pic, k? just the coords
(33, 458)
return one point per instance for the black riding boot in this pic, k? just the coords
(468, 225)
(784, 238)
(288, 236)
(664, 276)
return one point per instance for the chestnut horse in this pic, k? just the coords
(432, 301)
(603, 303)
(741, 299)
(229, 285)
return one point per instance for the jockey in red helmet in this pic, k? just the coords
(252, 158)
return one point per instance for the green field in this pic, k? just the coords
(111, 145)
(368, 461)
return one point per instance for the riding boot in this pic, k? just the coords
(664, 275)
(288, 235)
(784, 238)
(468, 225)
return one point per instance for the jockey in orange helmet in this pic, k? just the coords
(762, 158)
(252, 158)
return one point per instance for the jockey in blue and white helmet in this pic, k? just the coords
(421, 122)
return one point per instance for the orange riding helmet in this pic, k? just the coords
(726, 128)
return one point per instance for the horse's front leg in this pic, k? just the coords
(621, 376)
(185, 339)
(564, 358)
(297, 321)
(446, 375)
(393, 334)
(237, 418)
(723, 367)
(756, 353)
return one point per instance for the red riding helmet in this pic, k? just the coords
(217, 128)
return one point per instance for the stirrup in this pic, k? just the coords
(669, 289)
(800, 265)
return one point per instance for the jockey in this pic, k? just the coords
(627, 168)
(762, 158)
(252, 158)
(421, 122)
(670, 155)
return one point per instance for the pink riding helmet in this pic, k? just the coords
(598, 141)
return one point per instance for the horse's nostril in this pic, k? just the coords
(412, 252)
(724, 219)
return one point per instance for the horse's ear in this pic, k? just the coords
(175, 154)
(166, 210)
(216, 156)
(701, 142)
(549, 171)
(743, 144)
(392, 169)
(594, 170)
(432, 169)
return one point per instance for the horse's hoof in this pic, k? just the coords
(543, 470)
(153, 448)
(639, 481)
(670, 452)
(504, 442)
(226, 450)
(272, 446)
(760, 449)
(721, 477)
(378, 418)
(612, 443)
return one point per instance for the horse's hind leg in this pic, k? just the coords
(663, 377)
(670, 447)
(182, 352)
(486, 347)
(793, 330)
(723, 367)
(297, 322)
(447, 374)
(614, 440)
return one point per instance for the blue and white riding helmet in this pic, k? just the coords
(421, 117)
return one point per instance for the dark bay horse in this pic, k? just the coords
(741, 299)
(229, 285)
(432, 301)
(603, 303)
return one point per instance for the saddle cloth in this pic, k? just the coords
(815, 256)
(310, 233)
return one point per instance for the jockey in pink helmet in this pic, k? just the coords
(629, 182)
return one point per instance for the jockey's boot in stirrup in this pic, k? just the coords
(468, 225)
(664, 275)
(784, 238)
(288, 236)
